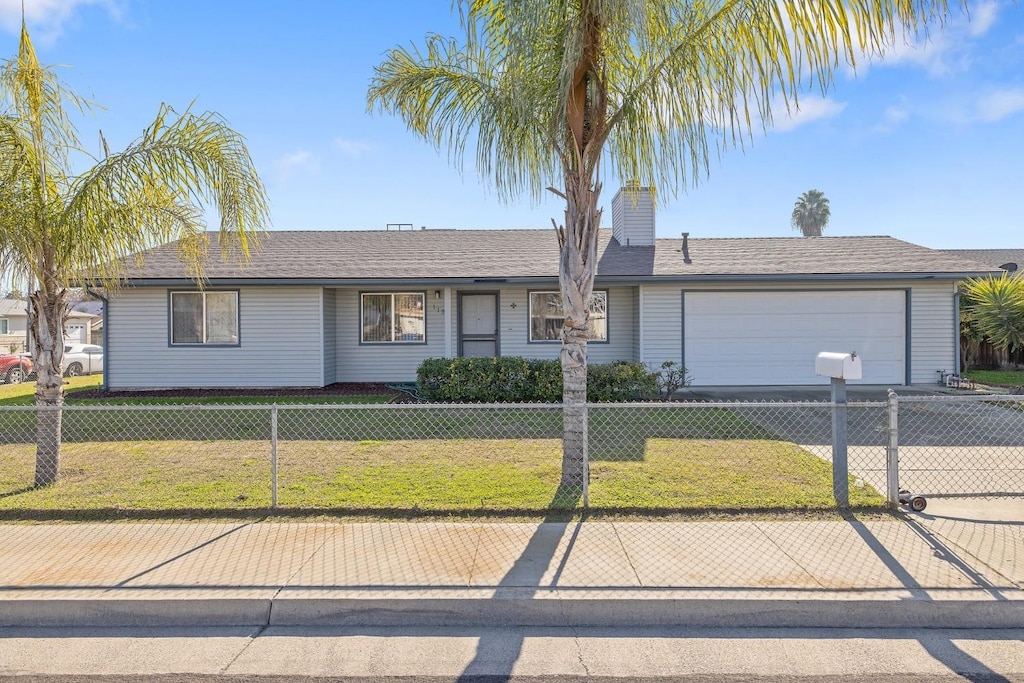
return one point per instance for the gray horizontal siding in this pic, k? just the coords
(330, 315)
(383, 362)
(932, 330)
(515, 329)
(662, 325)
(398, 362)
(279, 329)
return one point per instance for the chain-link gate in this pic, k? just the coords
(960, 446)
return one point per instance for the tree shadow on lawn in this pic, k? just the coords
(620, 434)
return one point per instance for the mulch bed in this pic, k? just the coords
(338, 389)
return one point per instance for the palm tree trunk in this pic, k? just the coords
(47, 327)
(578, 245)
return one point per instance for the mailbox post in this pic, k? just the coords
(839, 367)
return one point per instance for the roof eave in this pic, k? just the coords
(527, 280)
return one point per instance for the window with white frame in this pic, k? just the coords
(5, 327)
(547, 317)
(393, 318)
(204, 318)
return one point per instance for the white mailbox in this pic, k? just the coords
(838, 365)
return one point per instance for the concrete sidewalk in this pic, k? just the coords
(954, 567)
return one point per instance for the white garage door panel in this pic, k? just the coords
(737, 338)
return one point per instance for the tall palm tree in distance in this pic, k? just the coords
(811, 213)
(63, 228)
(541, 93)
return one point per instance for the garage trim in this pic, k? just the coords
(907, 313)
(906, 335)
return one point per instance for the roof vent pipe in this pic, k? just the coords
(686, 248)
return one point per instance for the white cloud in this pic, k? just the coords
(892, 118)
(945, 49)
(998, 104)
(353, 148)
(812, 108)
(934, 54)
(48, 17)
(983, 17)
(286, 166)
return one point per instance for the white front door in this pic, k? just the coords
(772, 338)
(478, 316)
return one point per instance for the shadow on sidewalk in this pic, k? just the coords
(943, 649)
(528, 570)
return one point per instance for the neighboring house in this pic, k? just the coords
(314, 308)
(95, 309)
(14, 325)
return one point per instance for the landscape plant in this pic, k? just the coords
(543, 93)
(513, 379)
(61, 227)
(995, 308)
(672, 378)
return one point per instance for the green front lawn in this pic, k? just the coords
(997, 378)
(403, 458)
(23, 394)
(432, 475)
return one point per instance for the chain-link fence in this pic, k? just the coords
(508, 458)
(967, 446)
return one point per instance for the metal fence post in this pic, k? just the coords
(586, 456)
(892, 454)
(273, 456)
(840, 441)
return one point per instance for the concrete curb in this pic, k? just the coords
(134, 613)
(726, 609)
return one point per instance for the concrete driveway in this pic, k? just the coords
(948, 444)
(855, 392)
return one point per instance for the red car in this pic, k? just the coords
(14, 369)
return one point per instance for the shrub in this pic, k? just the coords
(512, 379)
(672, 378)
(620, 381)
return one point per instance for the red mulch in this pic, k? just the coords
(338, 389)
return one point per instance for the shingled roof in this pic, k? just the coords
(533, 254)
(993, 257)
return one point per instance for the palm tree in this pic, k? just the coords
(542, 92)
(63, 229)
(811, 213)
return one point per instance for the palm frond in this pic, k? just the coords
(666, 84)
(154, 191)
(454, 96)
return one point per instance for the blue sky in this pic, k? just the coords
(927, 145)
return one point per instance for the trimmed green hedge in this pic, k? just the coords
(512, 379)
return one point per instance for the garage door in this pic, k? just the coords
(765, 338)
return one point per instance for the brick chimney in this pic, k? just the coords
(633, 217)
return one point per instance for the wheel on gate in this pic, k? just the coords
(918, 503)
